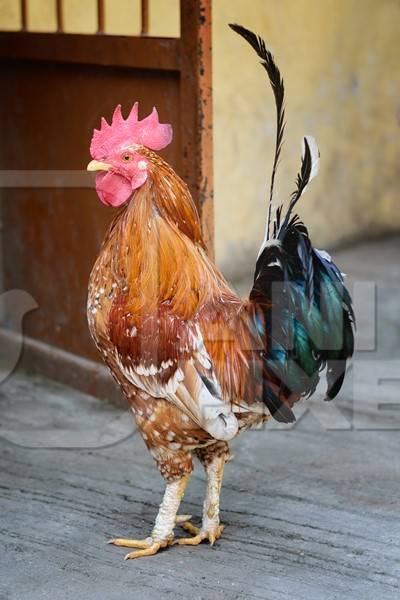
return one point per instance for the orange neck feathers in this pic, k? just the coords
(160, 250)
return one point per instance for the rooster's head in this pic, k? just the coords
(115, 150)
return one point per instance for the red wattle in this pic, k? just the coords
(113, 189)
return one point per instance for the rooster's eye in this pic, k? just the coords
(126, 157)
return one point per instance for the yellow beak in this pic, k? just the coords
(96, 165)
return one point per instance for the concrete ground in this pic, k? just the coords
(312, 512)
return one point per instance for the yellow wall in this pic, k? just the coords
(339, 59)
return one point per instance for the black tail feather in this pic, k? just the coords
(278, 88)
(291, 371)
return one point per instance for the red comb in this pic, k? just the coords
(148, 132)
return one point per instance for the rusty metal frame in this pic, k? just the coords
(196, 106)
(145, 13)
(101, 17)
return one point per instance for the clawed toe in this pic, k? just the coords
(190, 528)
(199, 536)
(215, 534)
(153, 549)
(146, 547)
(181, 519)
(127, 543)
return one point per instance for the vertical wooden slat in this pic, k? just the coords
(145, 17)
(24, 15)
(59, 16)
(196, 109)
(100, 16)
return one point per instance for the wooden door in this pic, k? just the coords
(55, 89)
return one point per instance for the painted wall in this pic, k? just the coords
(339, 59)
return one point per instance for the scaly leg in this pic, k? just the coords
(162, 534)
(211, 529)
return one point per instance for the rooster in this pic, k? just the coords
(197, 364)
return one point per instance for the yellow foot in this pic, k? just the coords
(148, 547)
(199, 535)
(182, 518)
(153, 549)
